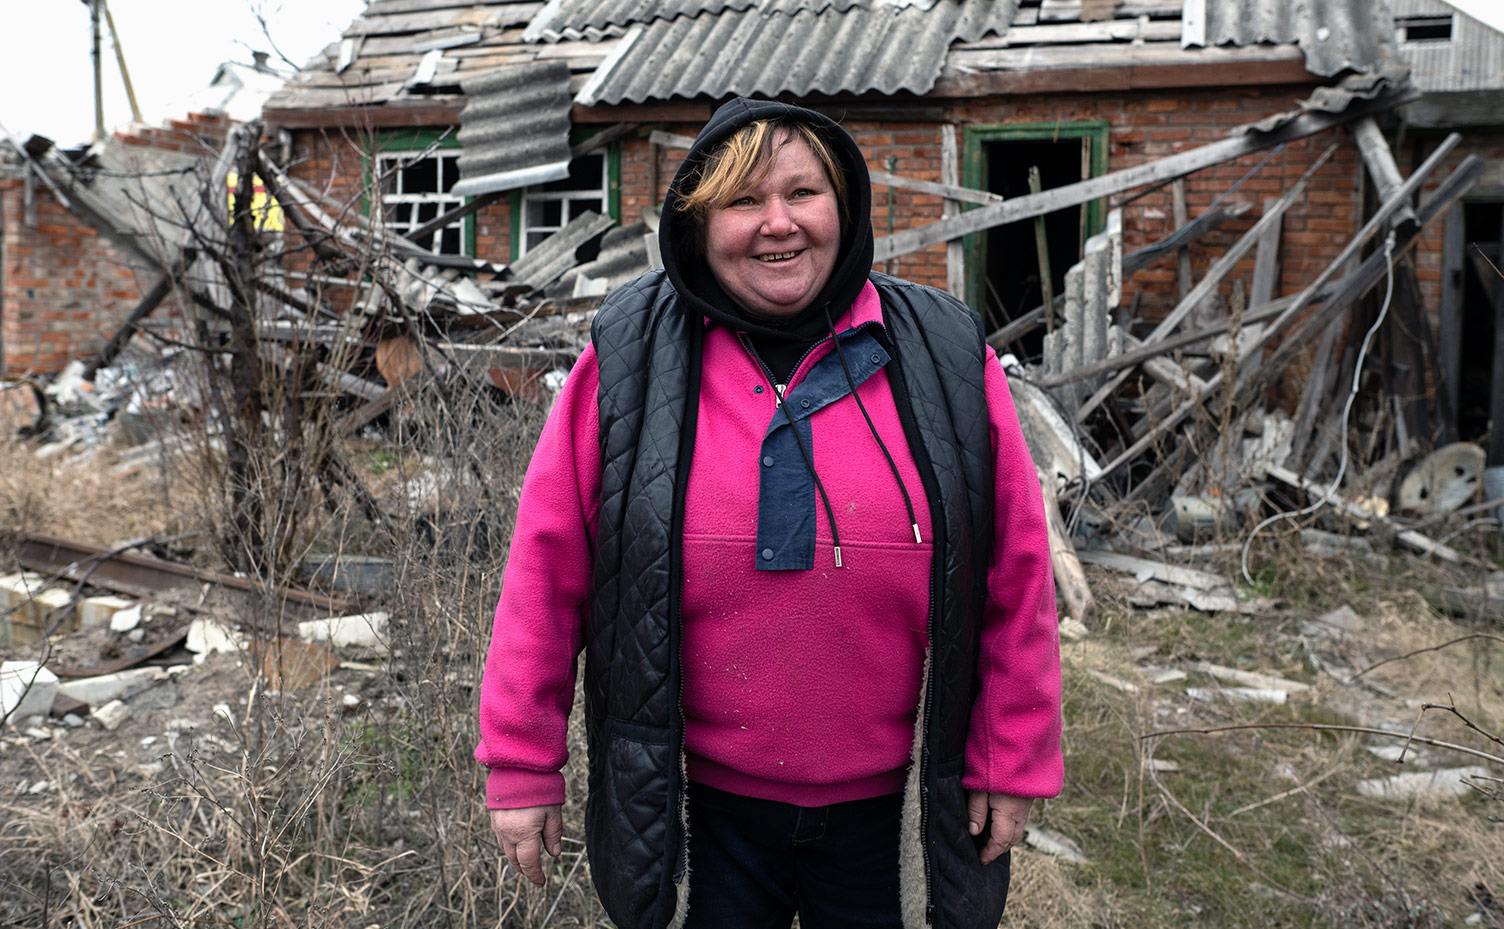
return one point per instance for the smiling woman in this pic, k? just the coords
(773, 244)
(784, 507)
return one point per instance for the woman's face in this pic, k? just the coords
(774, 245)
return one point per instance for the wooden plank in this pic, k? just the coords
(389, 7)
(1381, 167)
(1168, 168)
(1450, 362)
(1182, 253)
(1207, 222)
(946, 190)
(950, 176)
(1280, 65)
(671, 140)
(1068, 10)
(427, 111)
(1118, 30)
(511, 14)
(1214, 275)
(1266, 262)
(1070, 580)
(969, 57)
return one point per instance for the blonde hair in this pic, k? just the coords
(745, 158)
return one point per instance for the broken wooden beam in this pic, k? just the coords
(1452, 188)
(1410, 537)
(1212, 219)
(1381, 167)
(1164, 169)
(1213, 279)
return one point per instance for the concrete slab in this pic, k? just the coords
(1425, 787)
(26, 689)
(96, 611)
(362, 630)
(121, 685)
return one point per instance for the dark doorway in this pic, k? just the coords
(1482, 225)
(1012, 271)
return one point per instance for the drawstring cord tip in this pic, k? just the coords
(916, 534)
(838, 556)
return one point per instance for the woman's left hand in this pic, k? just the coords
(1009, 814)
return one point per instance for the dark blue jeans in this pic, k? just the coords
(755, 863)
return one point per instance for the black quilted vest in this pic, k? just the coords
(649, 356)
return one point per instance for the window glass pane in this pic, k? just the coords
(533, 238)
(552, 210)
(427, 211)
(451, 240)
(425, 241)
(451, 171)
(580, 207)
(402, 213)
(421, 177)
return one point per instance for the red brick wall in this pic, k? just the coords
(1143, 126)
(64, 286)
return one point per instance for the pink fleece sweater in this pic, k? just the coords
(799, 686)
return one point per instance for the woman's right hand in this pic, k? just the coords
(524, 833)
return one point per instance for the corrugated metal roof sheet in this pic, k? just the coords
(1472, 59)
(881, 47)
(514, 129)
(570, 19)
(1334, 35)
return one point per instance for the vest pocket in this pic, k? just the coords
(966, 893)
(627, 820)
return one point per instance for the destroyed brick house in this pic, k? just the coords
(1106, 181)
(479, 104)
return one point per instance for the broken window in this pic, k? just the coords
(1429, 28)
(415, 189)
(545, 209)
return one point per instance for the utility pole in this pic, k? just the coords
(94, 6)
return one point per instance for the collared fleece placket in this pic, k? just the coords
(787, 506)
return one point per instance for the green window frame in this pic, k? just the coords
(974, 174)
(612, 153)
(411, 140)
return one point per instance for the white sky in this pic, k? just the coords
(172, 48)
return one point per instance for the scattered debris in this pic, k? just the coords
(1243, 694)
(1424, 787)
(1053, 843)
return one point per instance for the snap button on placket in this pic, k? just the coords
(767, 461)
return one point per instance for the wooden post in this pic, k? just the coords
(1042, 246)
(1496, 381)
(1070, 580)
(955, 251)
(1183, 254)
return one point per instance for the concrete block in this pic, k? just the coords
(26, 689)
(362, 630)
(127, 619)
(121, 685)
(205, 637)
(96, 611)
(112, 714)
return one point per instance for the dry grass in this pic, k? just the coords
(295, 810)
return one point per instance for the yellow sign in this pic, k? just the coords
(266, 212)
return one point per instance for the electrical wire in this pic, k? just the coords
(1347, 407)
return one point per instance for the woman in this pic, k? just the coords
(783, 506)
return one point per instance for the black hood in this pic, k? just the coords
(683, 258)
